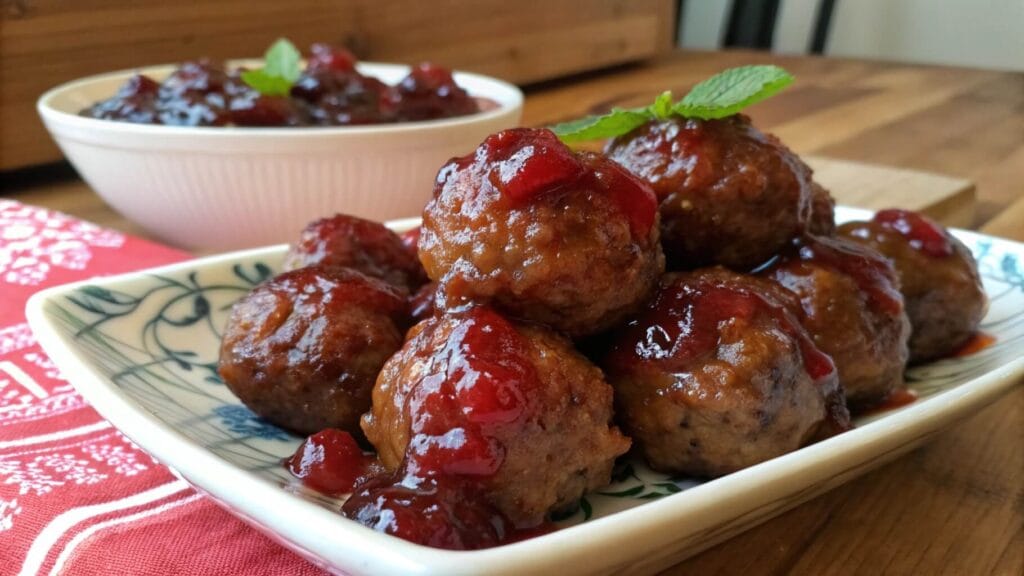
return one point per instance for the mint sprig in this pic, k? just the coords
(279, 72)
(724, 94)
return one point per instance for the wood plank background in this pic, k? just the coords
(46, 42)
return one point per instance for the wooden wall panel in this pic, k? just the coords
(46, 42)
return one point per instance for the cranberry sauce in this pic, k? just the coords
(921, 232)
(480, 383)
(682, 324)
(436, 512)
(329, 92)
(525, 163)
(898, 398)
(872, 272)
(488, 384)
(331, 462)
(428, 92)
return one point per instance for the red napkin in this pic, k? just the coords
(77, 497)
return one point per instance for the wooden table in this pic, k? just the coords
(954, 506)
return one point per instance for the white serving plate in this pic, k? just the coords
(142, 349)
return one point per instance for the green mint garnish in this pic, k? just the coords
(724, 94)
(732, 90)
(280, 70)
(618, 121)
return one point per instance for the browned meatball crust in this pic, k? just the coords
(304, 348)
(854, 311)
(823, 221)
(524, 224)
(717, 374)
(729, 193)
(509, 406)
(363, 245)
(939, 279)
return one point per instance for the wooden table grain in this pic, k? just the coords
(953, 506)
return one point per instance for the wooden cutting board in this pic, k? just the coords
(948, 200)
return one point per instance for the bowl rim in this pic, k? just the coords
(507, 95)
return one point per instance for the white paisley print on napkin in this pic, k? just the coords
(33, 241)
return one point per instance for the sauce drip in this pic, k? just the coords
(898, 398)
(481, 382)
(331, 462)
(976, 343)
(921, 232)
(683, 324)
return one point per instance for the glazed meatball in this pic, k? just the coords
(853, 309)
(304, 348)
(717, 374)
(541, 233)
(369, 247)
(729, 193)
(823, 221)
(938, 278)
(510, 406)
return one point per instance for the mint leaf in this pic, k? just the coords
(282, 60)
(266, 84)
(732, 90)
(617, 122)
(662, 107)
(280, 70)
(724, 94)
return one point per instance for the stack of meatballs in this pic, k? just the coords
(687, 294)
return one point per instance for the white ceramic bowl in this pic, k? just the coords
(222, 188)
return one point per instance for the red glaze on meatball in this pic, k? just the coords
(853, 308)
(421, 305)
(304, 348)
(729, 193)
(939, 278)
(509, 407)
(716, 374)
(350, 242)
(568, 240)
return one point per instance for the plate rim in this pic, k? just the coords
(324, 536)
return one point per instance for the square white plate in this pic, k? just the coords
(142, 348)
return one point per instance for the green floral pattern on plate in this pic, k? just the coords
(157, 339)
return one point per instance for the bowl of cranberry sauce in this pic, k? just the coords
(204, 161)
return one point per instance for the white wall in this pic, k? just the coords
(976, 33)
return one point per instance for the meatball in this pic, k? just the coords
(304, 348)
(717, 374)
(823, 220)
(729, 193)
(853, 309)
(366, 246)
(541, 233)
(938, 279)
(510, 406)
